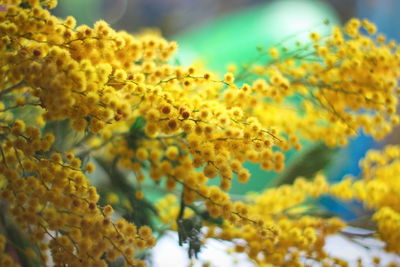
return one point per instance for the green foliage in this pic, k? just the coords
(17, 241)
(307, 163)
(142, 210)
(136, 132)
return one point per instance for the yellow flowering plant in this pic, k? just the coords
(78, 103)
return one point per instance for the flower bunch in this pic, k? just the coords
(124, 107)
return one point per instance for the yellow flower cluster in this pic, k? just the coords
(298, 237)
(268, 227)
(379, 190)
(51, 199)
(346, 82)
(181, 127)
(388, 225)
(84, 74)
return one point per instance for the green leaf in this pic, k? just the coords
(307, 164)
(143, 210)
(17, 239)
(138, 125)
(136, 132)
(66, 137)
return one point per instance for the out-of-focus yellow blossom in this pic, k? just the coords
(379, 190)
(168, 208)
